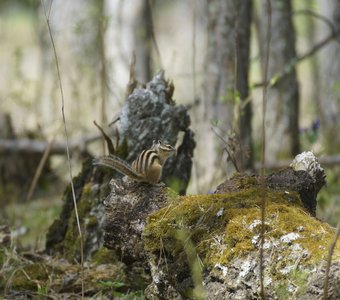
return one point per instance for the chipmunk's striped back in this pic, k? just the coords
(144, 161)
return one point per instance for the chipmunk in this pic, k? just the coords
(147, 167)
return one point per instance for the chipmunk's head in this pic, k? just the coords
(164, 150)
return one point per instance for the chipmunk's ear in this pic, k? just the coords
(155, 144)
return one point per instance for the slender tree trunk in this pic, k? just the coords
(143, 41)
(330, 66)
(220, 62)
(312, 40)
(103, 63)
(226, 81)
(243, 25)
(282, 116)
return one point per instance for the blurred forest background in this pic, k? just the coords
(212, 50)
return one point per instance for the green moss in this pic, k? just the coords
(220, 225)
(29, 277)
(2, 256)
(92, 222)
(9, 194)
(246, 182)
(71, 243)
(104, 256)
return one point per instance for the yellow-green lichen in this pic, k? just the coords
(296, 283)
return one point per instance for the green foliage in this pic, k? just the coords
(112, 284)
(115, 287)
(42, 292)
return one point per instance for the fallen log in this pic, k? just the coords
(25, 145)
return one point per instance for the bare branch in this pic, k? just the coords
(103, 70)
(315, 15)
(293, 62)
(329, 261)
(39, 170)
(67, 148)
(227, 146)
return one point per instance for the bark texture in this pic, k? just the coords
(127, 208)
(243, 24)
(330, 66)
(282, 118)
(226, 84)
(143, 41)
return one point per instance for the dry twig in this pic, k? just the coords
(329, 261)
(263, 149)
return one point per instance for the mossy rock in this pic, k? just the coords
(224, 230)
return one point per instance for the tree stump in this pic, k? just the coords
(148, 114)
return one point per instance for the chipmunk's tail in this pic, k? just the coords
(119, 165)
